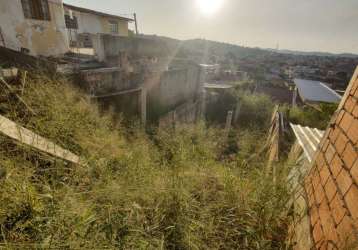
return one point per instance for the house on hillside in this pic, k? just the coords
(52, 28)
(84, 26)
(36, 27)
(313, 93)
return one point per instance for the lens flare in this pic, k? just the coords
(209, 7)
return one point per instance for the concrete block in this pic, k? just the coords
(9, 73)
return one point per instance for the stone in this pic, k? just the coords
(9, 73)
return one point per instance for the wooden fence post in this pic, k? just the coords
(237, 112)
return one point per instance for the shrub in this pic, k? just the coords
(219, 104)
(311, 117)
(255, 110)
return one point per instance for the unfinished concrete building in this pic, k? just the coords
(114, 65)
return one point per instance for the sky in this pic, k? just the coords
(305, 25)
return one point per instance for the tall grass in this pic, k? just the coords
(255, 110)
(168, 192)
(311, 117)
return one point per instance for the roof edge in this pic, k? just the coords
(322, 84)
(331, 90)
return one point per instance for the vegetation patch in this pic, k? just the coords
(308, 116)
(170, 191)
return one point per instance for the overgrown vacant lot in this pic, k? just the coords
(172, 190)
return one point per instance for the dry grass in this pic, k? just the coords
(167, 192)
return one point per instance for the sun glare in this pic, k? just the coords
(209, 7)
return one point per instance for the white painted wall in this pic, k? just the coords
(96, 24)
(88, 23)
(47, 38)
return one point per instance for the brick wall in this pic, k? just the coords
(332, 184)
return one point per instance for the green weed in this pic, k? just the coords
(169, 191)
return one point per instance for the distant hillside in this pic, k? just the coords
(221, 50)
(313, 53)
(202, 48)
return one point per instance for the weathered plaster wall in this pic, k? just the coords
(107, 46)
(169, 89)
(169, 82)
(133, 46)
(46, 38)
(187, 113)
(108, 81)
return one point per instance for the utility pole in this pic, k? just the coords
(136, 23)
(2, 38)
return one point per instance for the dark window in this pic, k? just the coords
(71, 23)
(87, 41)
(113, 26)
(36, 9)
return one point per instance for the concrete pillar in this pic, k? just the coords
(294, 98)
(228, 123)
(203, 104)
(143, 105)
(237, 112)
(98, 46)
(174, 119)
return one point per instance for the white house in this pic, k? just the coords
(84, 24)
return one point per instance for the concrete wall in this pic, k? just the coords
(108, 81)
(46, 38)
(166, 90)
(109, 46)
(332, 184)
(187, 113)
(169, 89)
(168, 82)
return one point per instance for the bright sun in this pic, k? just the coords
(209, 6)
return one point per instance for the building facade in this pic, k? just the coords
(84, 24)
(51, 28)
(34, 26)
